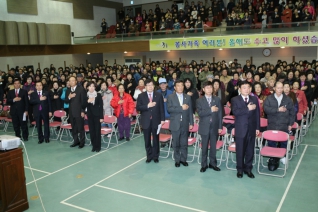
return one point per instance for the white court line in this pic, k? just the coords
(123, 169)
(291, 181)
(309, 145)
(37, 170)
(149, 198)
(74, 206)
(76, 163)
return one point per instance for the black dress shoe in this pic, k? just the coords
(215, 168)
(81, 146)
(25, 139)
(93, 150)
(74, 145)
(47, 140)
(177, 164)
(203, 169)
(97, 150)
(148, 160)
(120, 139)
(127, 139)
(249, 174)
(184, 163)
(40, 142)
(156, 160)
(239, 174)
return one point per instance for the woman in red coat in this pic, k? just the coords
(301, 98)
(124, 106)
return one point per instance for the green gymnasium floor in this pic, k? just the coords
(118, 179)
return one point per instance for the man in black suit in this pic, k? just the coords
(76, 97)
(209, 109)
(150, 104)
(246, 110)
(19, 102)
(41, 111)
(181, 120)
(276, 18)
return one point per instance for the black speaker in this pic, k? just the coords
(72, 34)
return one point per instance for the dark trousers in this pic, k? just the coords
(123, 124)
(38, 118)
(78, 128)
(282, 144)
(180, 144)
(245, 152)
(30, 113)
(95, 131)
(206, 140)
(17, 121)
(151, 150)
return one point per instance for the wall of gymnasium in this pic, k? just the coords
(300, 53)
(49, 11)
(47, 60)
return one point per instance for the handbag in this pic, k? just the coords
(273, 164)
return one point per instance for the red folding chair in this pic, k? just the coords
(231, 148)
(192, 141)
(227, 110)
(55, 124)
(165, 139)
(109, 130)
(294, 139)
(220, 144)
(135, 123)
(266, 151)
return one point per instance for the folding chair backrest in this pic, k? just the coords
(59, 113)
(6, 108)
(263, 122)
(110, 119)
(224, 130)
(233, 132)
(275, 135)
(135, 113)
(195, 128)
(166, 125)
(227, 110)
(299, 116)
(295, 125)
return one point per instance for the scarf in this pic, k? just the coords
(92, 95)
(141, 88)
(234, 82)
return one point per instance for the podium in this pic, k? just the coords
(13, 195)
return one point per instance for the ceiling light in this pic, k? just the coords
(220, 49)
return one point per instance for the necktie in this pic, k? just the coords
(209, 101)
(245, 100)
(16, 93)
(40, 107)
(150, 98)
(180, 99)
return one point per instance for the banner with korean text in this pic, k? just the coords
(236, 41)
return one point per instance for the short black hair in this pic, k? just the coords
(207, 83)
(245, 82)
(181, 81)
(39, 82)
(90, 83)
(149, 81)
(16, 79)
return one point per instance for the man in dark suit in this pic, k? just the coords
(209, 109)
(19, 102)
(276, 18)
(41, 111)
(181, 120)
(76, 97)
(246, 110)
(150, 104)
